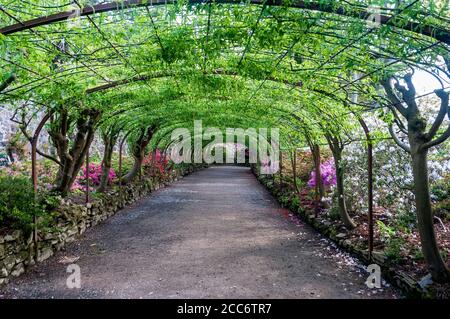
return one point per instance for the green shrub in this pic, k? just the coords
(441, 190)
(300, 183)
(393, 249)
(284, 200)
(295, 202)
(405, 220)
(127, 164)
(333, 213)
(18, 205)
(417, 254)
(386, 232)
(394, 244)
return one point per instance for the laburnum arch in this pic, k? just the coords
(141, 68)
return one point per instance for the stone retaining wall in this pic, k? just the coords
(18, 251)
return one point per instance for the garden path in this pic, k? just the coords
(214, 234)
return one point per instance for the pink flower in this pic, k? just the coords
(156, 163)
(328, 172)
(94, 174)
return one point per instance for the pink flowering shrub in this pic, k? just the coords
(155, 163)
(328, 172)
(94, 174)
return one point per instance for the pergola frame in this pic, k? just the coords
(438, 34)
(443, 36)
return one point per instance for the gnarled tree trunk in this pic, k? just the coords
(319, 183)
(420, 142)
(337, 148)
(109, 140)
(138, 152)
(72, 156)
(425, 216)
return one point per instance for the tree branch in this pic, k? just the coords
(47, 156)
(397, 140)
(401, 126)
(398, 120)
(445, 107)
(386, 83)
(447, 62)
(10, 79)
(439, 140)
(23, 125)
(409, 94)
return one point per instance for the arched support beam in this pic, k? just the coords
(418, 28)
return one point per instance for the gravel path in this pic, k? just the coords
(215, 234)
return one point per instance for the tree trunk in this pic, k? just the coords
(134, 172)
(419, 143)
(343, 212)
(294, 169)
(72, 159)
(109, 141)
(139, 154)
(430, 249)
(72, 166)
(319, 183)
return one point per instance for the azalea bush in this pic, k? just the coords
(393, 182)
(156, 164)
(328, 175)
(94, 173)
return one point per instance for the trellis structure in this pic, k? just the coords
(161, 64)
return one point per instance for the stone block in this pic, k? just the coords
(18, 270)
(8, 263)
(22, 256)
(72, 231)
(3, 272)
(347, 243)
(13, 236)
(44, 254)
